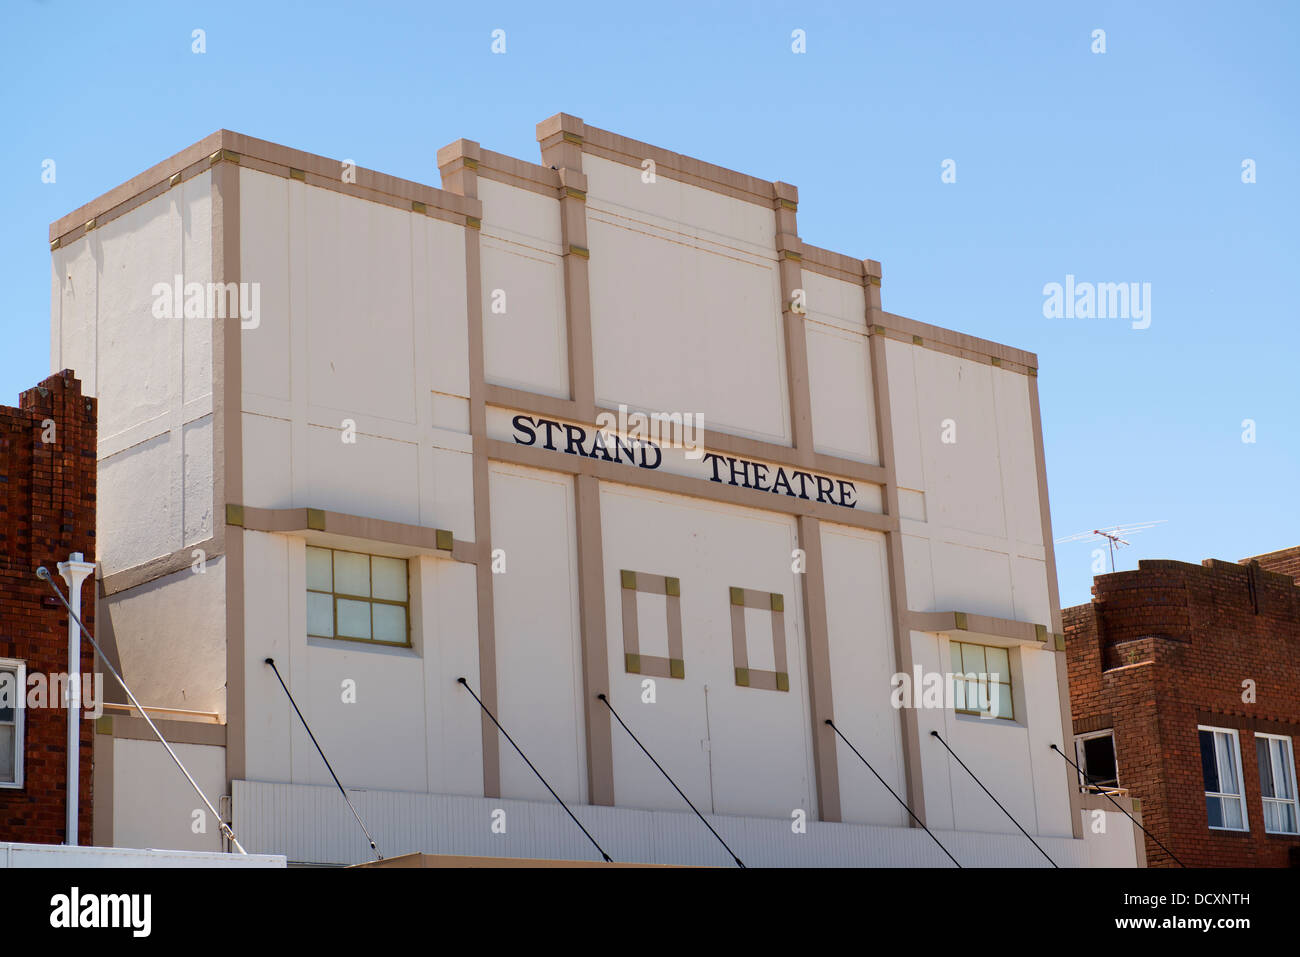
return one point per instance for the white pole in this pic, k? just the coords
(74, 571)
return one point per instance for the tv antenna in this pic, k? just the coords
(1114, 535)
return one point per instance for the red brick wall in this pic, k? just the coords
(47, 511)
(1166, 648)
(1285, 562)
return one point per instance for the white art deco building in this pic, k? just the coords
(385, 473)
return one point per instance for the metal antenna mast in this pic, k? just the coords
(1112, 534)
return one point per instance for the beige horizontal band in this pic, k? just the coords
(176, 732)
(418, 537)
(155, 568)
(960, 621)
(537, 458)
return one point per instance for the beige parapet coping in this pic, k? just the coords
(833, 264)
(465, 860)
(227, 146)
(564, 128)
(486, 164)
(956, 343)
(467, 155)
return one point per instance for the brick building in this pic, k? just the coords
(1185, 691)
(47, 511)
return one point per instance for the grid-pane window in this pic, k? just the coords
(1221, 768)
(981, 680)
(12, 687)
(357, 596)
(1277, 783)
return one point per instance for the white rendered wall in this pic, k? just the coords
(1011, 757)
(1111, 839)
(171, 639)
(520, 254)
(862, 663)
(685, 302)
(153, 804)
(153, 377)
(973, 537)
(363, 321)
(411, 726)
(839, 369)
(538, 643)
(973, 542)
(733, 750)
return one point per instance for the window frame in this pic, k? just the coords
(1294, 800)
(19, 669)
(1241, 779)
(369, 600)
(1085, 785)
(959, 674)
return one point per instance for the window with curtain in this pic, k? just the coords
(1277, 783)
(1225, 806)
(13, 685)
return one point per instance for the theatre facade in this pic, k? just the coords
(602, 425)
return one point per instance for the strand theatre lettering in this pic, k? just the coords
(726, 469)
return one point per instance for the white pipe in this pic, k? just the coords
(74, 571)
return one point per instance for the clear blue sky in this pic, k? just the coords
(1115, 167)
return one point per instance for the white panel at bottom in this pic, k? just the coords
(312, 824)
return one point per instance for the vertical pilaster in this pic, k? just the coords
(458, 164)
(789, 250)
(894, 538)
(561, 139)
(820, 704)
(1056, 643)
(228, 452)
